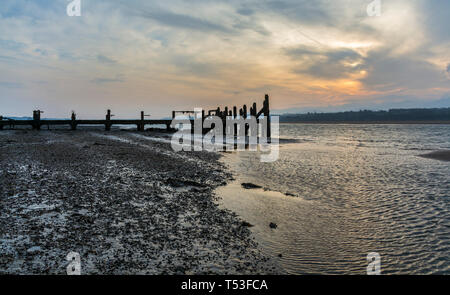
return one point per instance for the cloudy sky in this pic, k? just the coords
(162, 55)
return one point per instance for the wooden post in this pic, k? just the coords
(267, 114)
(224, 116)
(1, 119)
(108, 121)
(37, 119)
(73, 123)
(244, 111)
(234, 117)
(253, 113)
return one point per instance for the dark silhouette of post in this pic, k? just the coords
(1, 119)
(267, 114)
(234, 117)
(203, 121)
(108, 120)
(141, 126)
(244, 113)
(73, 123)
(37, 119)
(224, 117)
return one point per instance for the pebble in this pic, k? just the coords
(248, 185)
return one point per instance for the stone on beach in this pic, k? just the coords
(248, 185)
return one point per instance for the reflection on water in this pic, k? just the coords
(358, 189)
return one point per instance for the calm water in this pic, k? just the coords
(358, 189)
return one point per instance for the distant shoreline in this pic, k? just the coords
(372, 122)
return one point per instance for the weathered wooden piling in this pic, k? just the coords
(244, 114)
(267, 114)
(37, 119)
(234, 117)
(73, 119)
(141, 125)
(108, 120)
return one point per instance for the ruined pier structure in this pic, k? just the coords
(233, 113)
(36, 123)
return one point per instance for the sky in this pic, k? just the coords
(159, 56)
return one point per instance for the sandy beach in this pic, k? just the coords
(124, 201)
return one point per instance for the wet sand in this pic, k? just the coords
(438, 155)
(125, 202)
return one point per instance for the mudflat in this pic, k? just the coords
(125, 201)
(438, 155)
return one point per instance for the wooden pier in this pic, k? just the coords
(36, 123)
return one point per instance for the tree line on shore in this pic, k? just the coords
(392, 115)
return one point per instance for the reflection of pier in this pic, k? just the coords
(36, 123)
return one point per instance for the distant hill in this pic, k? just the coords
(393, 115)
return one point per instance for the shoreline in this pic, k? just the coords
(373, 122)
(125, 202)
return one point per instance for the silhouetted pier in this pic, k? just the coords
(36, 123)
